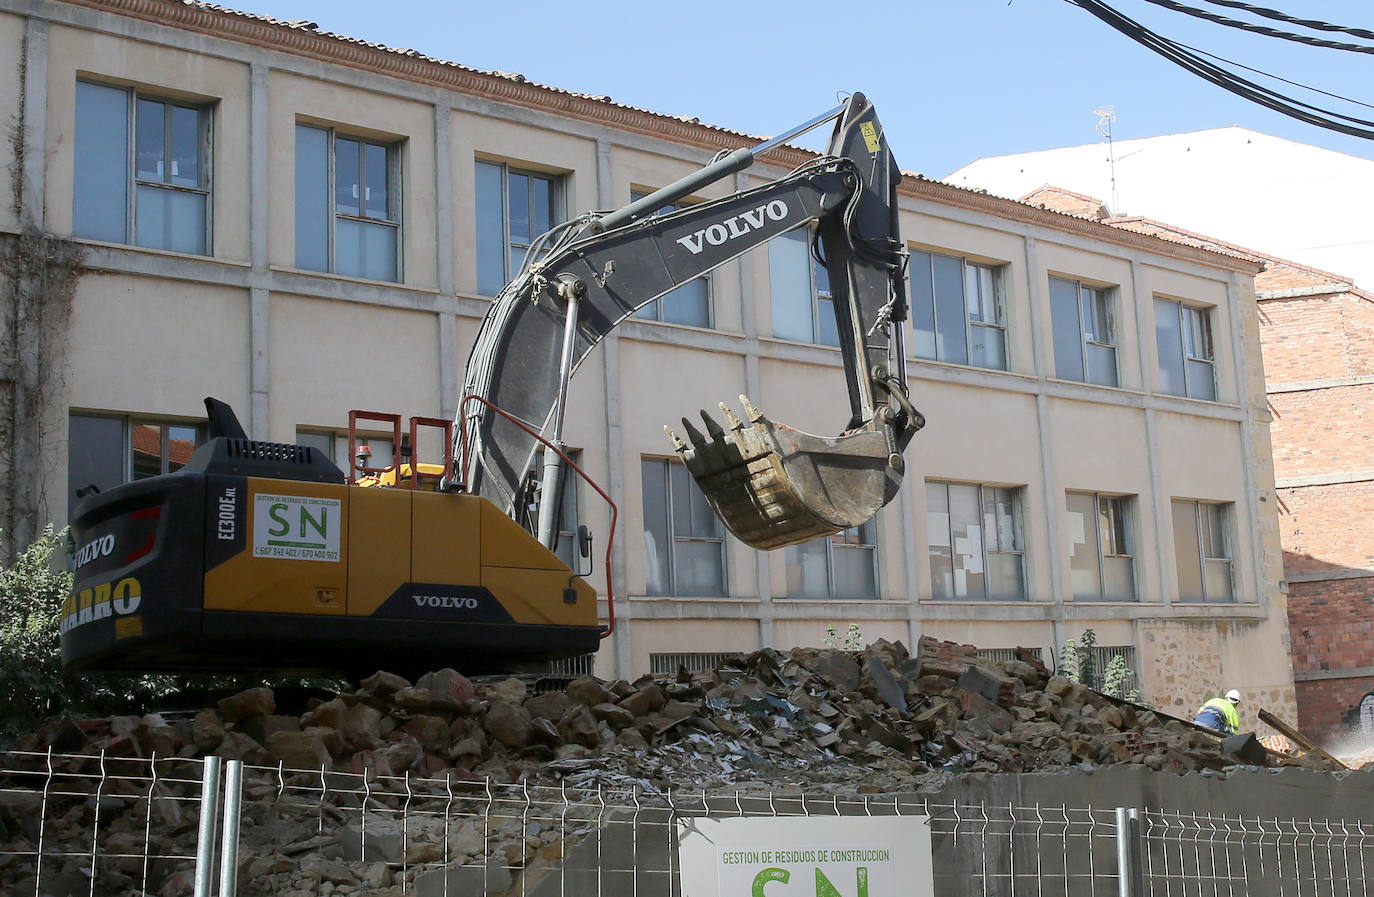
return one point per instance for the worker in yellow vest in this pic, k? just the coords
(1221, 715)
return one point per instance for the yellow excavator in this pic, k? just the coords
(266, 556)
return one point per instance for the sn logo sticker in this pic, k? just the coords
(296, 527)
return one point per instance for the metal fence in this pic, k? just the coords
(104, 825)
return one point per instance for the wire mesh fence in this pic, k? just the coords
(104, 825)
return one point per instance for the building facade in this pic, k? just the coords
(302, 224)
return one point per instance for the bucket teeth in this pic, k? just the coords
(675, 439)
(712, 427)
(754, 414)
(693, 433)
(733, 422)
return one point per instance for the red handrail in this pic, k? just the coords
(615, 512)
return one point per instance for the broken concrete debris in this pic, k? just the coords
(822, 721)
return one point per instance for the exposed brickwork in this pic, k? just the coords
(1057, 199)
(1322, 431)
(1325, 528)
(1328, 709)
(1326, 336)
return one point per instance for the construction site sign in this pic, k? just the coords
(296, 527)
(813, 856)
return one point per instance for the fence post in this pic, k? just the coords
(1129, 860)
(209, 816)
(229, 848)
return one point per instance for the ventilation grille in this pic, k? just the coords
(669, 664)
(275, 452)
(997, 655)
(572, 667)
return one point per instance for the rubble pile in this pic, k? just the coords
(823, 721)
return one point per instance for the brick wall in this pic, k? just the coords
(1327, 527)
(1325, 336)
(1332, 625)
(1322, 431)
(1328, 710)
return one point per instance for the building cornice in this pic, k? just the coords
(303, 39)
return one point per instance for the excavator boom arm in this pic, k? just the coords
(608, 267)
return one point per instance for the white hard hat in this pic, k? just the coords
(1233, 696)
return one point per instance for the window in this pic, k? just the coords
(976, 550)
(108, 451)
(1183, 337)
(689, 303)
(840, 566)
(348, 205)
(159, 198)
(800, 291)
(1101, 547)
(684, 541)
(1202, 546)
(1084, 334)
(513, 209)
(334, 446)
(956, 309)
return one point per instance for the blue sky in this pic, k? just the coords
(953, 80)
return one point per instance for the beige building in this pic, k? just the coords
(302, 224)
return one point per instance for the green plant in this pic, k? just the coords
(1116, 681)
(852, 640)
(32, 684)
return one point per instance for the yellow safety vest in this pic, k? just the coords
(1227, 710)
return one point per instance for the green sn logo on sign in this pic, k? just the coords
(297, 527)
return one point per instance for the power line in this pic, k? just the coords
(1191, 61)
(1314, 24)
(1262, 29)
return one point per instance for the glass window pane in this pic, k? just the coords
(967, 533)
(542, 211)
(989, 347)
(1214, 541)
(950, 340)
(648, 312)
(1068, 339)
(170, 219)
(821, 274)
(827, 333)
(312, 198)
(101, 150)
(347, 172)
(657, 576)
(147, 449)
(922, 305)
(688, 304)
(1219, 581)
(366, 250)
(1006, 577)
(1008, 526)
(789, 284)
(1186, 554)
(1084, 568)
(320, 442)
(95, 454)
(491, 236)
(973, 299)
(692, 514)
(518, 188)
(150, 140)
(855, 573)
(1091, 311)
(186, 147)
(937, 534)
(1118, 579)
(990, 298)
(808, 575)
(1201, 380)
(1199, 337)
(181, 445)
(1169, 347)
(376, 171)
(1101, 365)
(698, 568)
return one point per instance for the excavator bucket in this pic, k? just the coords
(773, 485)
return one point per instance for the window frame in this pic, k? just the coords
(1187, 313)
(672, 588)
(1108, 297)
(128, 423)
(558, 204)
(1126, 504)
(656, 306)
(1015, 493)
(831, 546)
(205, 144)
(395, 200)
(997, 278)
(819, 295)
(1223, 527)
